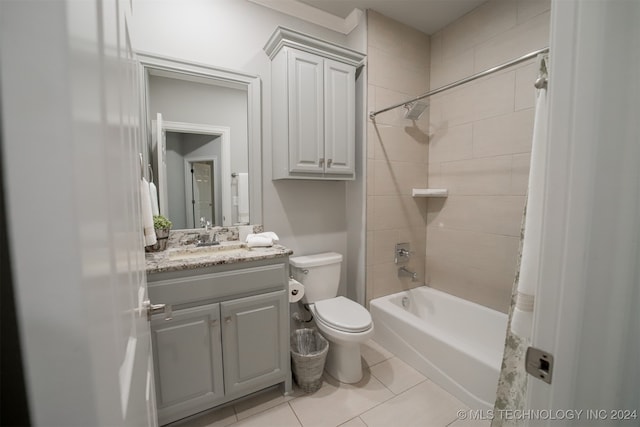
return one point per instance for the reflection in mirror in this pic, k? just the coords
(204, 131)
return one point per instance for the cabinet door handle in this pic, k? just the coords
(329, 161)
(227, 320)
(321, 161)
(214, 322)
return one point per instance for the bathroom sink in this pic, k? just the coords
(224, 248)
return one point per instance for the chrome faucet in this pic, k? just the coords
(405, 272)
(205, 224)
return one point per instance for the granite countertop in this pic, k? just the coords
(177, 260)
(180, 256)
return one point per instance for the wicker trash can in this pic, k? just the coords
(308, 354)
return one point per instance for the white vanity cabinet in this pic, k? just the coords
(228, 335)
(313, 107)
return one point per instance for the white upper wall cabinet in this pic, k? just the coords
(313, 107)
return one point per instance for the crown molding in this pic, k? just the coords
(285, 37)
(314, 15)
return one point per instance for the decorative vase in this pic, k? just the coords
(162, 238)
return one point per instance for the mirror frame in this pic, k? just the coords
(148, 62)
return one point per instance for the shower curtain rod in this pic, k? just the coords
(373, 114)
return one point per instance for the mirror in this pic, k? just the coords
(203, 131)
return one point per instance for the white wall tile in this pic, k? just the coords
(525, 92)
(484, 176)
(522, 39)
(491, 252)
(480, 148)
(484, 214)
(450, 143)
(489, 19)
(520, 173)
(451, 69)
(528, 9)
(507, 134)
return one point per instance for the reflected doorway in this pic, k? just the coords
(202, 180)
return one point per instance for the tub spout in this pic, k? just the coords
(405, 272)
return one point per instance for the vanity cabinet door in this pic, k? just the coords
(187, 357)
(254, 344)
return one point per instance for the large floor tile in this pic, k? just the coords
(261, 402)
(396, 375)
(279, 416)
(356, 422)
(336, 403)
(470, 423)
(373, 353)
(216, 418)
(423, 405)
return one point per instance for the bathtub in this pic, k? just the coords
(455, 343)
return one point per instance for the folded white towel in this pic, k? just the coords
(265, 239)
(147, 217)
(153, 192)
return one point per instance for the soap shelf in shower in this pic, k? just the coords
(430, 192)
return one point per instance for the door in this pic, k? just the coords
(254, 349)
(80, 285)
(306, 112)
(339, 116)
(586, 307)
(187, 356)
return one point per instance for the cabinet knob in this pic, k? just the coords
(227, 320)
(214, 322)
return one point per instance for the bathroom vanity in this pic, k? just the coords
(227, 333)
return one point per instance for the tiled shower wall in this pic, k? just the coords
(397, 153)
(479, 148)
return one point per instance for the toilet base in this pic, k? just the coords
(343, 362)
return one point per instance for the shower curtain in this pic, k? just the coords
(512, 383)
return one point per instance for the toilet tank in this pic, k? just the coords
(319, 273)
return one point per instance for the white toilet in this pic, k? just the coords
(344, 323)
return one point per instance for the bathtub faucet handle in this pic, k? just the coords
(402, 252)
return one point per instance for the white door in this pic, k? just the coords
(586, 309)
(76, 234)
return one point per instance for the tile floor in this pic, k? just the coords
(390, 394)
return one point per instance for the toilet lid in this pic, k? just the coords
(343, 314)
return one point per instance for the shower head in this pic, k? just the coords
(415, 110)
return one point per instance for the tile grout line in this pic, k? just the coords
(294, 412)
(392, 397)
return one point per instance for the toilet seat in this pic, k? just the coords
(343, 314)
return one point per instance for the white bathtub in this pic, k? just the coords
(455, 343)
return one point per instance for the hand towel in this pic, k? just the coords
(265, 239)
(147, 216)
(243, 198)
(153, 192)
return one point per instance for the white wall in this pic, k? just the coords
(308, 216)
(199, 103)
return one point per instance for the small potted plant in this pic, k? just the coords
(162, 226)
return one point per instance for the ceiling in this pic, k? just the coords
(427, 16)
